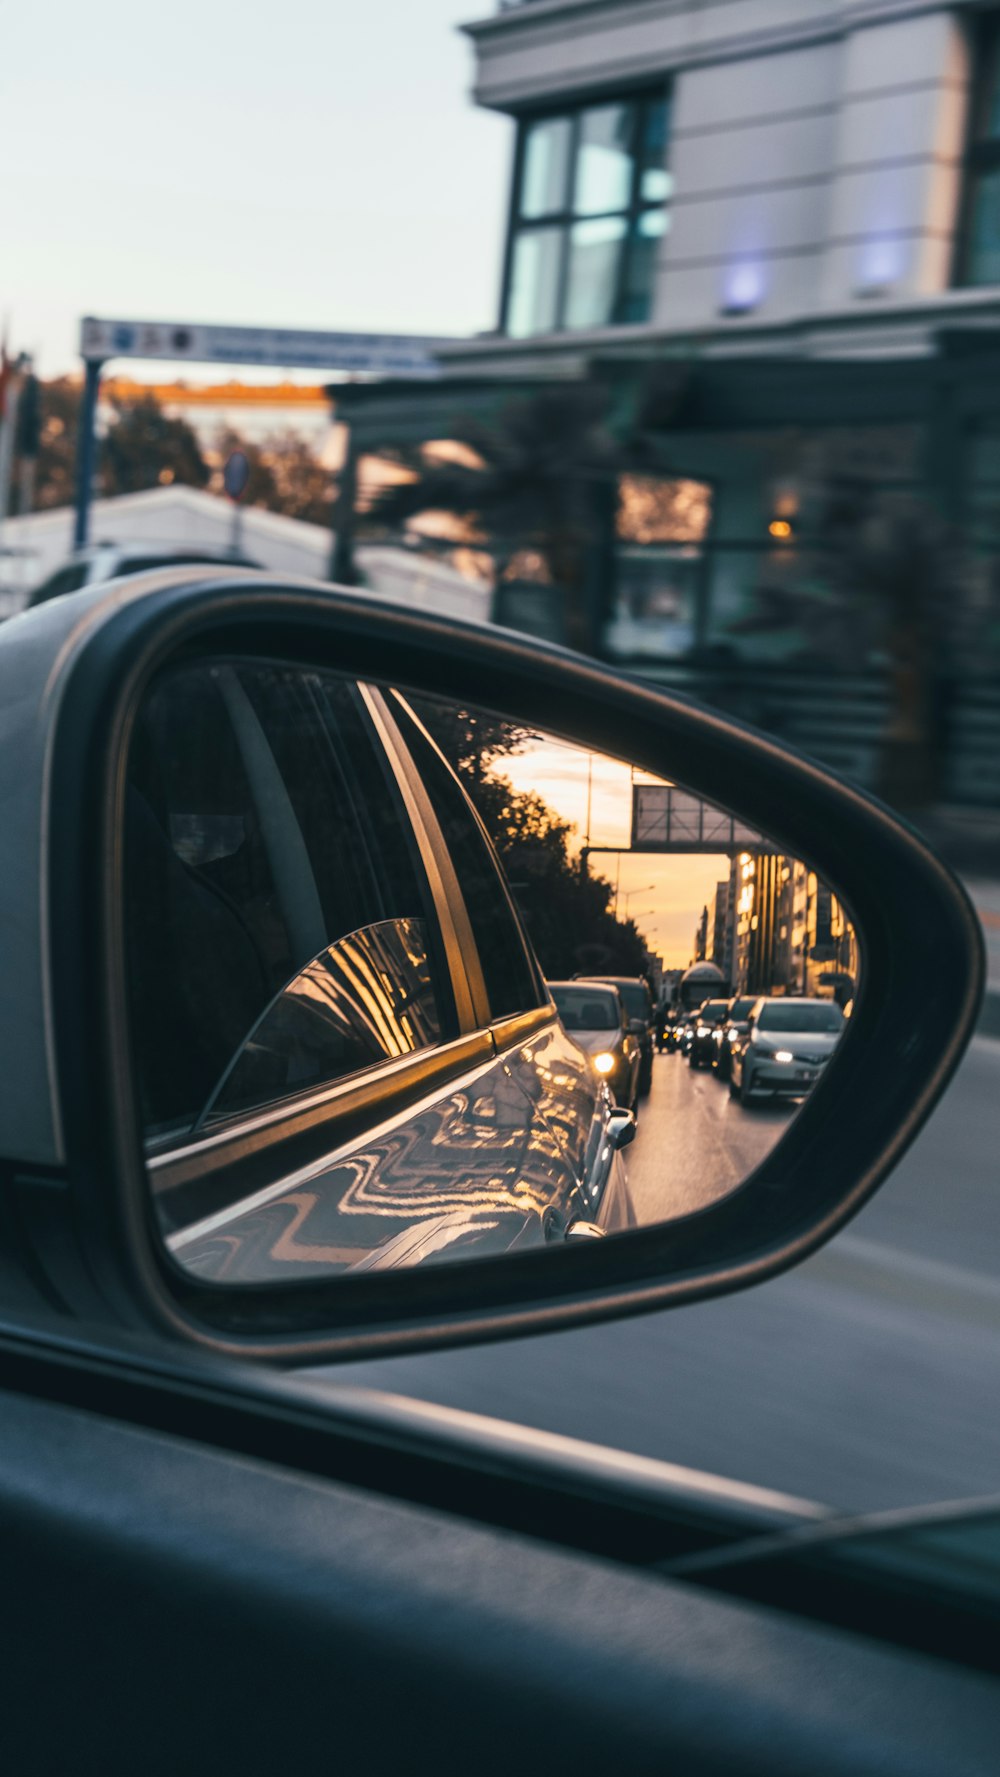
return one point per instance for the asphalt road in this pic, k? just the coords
(695, 1143)
(867, 1378)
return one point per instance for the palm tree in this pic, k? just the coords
(895, 584)
(541, 478)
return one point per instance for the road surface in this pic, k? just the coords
(694, 1142)
(867, 1378)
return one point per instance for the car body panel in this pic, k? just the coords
(501, 1158)
(755, 1065)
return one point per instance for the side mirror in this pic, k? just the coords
(262, 1078)
(621, 1129)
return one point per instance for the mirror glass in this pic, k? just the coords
(401, 976)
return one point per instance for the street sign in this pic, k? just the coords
(665, 818)
(236, 474)
(291, 348)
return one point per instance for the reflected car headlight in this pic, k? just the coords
(604, 1062)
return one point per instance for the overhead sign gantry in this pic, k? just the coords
(280, 348)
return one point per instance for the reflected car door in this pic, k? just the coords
(334, 1134)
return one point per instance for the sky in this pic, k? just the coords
(304, 164)
(664, 895)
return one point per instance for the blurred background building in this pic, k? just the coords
(738, 425)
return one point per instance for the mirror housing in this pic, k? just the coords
(622, 1128)
(80, 1237)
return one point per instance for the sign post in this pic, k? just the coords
(403, 355)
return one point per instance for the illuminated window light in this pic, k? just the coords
(880, 267)
(744, 289)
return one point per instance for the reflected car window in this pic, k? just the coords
(787, 1015)
(510, 978)
(367, 998)
(583, 1009)
(263, 831)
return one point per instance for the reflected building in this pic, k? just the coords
(791, 934)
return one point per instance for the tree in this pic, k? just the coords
(566, 910)
(285, 476)
(539, 480)
(146, 448)
(888, 580)
(60, 419)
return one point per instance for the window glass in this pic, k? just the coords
(655, 182)
(580, 1008)
(604, 160)
(594, 262)
(534, 282)
(794, 1015)
(270, 876)
(984, 229)
(368, 998)
(545, 166)
(982, 225)
(511, 982)
(637, 296)
(589, 215)
(66, 580)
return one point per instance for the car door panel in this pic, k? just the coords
(173, 1606)
(471, 1166)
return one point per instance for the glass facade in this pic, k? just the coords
(981, 257)
(592, 191)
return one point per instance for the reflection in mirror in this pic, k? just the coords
(359, 1044)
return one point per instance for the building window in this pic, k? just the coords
(982, 202)
(590, 209)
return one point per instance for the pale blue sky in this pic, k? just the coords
(287, 164)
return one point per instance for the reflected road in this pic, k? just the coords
(695, 1143)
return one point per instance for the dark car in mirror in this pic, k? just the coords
(708, 1022)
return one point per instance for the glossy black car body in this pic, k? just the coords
(705, 1025)
(728, 1035)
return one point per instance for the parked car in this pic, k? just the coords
(641, 1011)
(709, 1019)
(210, 1566)
(729, 1033)
(109, 561)
(594, 1016)
(787, 1044)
